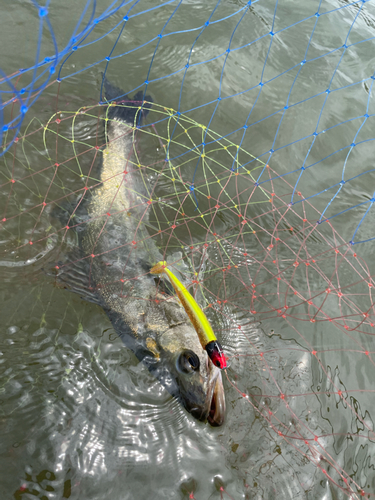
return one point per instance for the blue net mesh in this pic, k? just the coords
(287, 87)
(259, 144)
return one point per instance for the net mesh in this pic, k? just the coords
(257, 167)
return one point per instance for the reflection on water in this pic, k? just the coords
(82, 415)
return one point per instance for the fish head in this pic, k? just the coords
(201, 389)
(184, 368)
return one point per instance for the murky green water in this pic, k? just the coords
(80, 418)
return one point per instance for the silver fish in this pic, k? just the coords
(121, 253)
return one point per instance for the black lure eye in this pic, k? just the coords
(188, 362)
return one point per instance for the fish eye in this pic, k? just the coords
(188, 362)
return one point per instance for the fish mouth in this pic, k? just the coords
(215, 400)
(216, 414)
(213, 409)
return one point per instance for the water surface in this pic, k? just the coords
(79, 416)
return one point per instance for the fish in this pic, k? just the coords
(117, 254)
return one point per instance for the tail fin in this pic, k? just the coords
(129, 106)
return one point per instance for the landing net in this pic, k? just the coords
(259, 182)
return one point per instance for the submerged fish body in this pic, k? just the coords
(121, 253)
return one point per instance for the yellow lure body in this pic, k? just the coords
(195, 313)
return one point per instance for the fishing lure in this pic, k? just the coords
(200, 322)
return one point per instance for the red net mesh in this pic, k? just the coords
(290, 299)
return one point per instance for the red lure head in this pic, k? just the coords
(216, 354)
